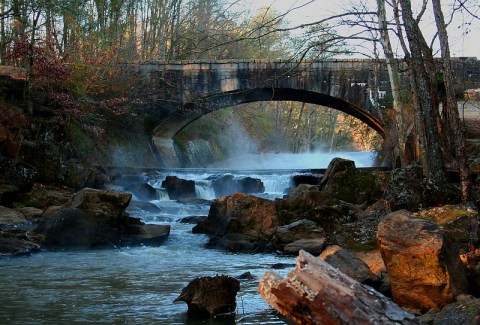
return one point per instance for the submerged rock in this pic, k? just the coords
(193, 219)
(143, 191)
(210, 296)
(142, 234)
(425, 270)
(17, 242)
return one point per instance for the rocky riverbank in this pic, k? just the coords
(370, 225)
(397, 231)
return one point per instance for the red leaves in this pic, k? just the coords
(47, 69)
(117, 106)
(69, 108)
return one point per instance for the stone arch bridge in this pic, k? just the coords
(180, 92)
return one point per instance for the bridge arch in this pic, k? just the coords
(177, 120)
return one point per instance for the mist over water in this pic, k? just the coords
(246, 154)
(307, 160)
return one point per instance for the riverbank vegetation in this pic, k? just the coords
(68, 112)
(70, 54)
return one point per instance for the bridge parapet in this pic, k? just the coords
(183, 91)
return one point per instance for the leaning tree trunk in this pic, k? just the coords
(317, 293)
(450, 110)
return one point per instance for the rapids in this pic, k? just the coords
(137, 285)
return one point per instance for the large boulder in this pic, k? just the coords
(322, 208)
(100, 202)
(228, 185)
(210, 296)
(346, 183)
(251, 217)
(95, 218)
(424, 268)
(251, 185)
(460, 222)
(310, 202)
(409, 189)
(74, 227)
(179, 189)
(360, 234)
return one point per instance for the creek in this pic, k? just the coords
(137, 285)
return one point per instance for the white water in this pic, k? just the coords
(137, 285)
(313, 160)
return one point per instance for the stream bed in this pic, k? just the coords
(137, 285)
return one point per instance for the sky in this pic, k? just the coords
(461, 44)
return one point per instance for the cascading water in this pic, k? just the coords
(137, 285)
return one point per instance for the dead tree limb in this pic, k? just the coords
(317, 293)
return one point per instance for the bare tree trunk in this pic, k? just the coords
(297, 129)
(317, 293)
(2, 33)
(425, 101)
(450, 110)
(331, 137)
(18, 23)
(394, 81)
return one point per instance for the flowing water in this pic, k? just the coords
(137, 285)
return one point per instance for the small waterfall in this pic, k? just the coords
(204, 190)
(162, 194)
(275, 183)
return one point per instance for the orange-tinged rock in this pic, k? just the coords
(241, 218)
(424, 269)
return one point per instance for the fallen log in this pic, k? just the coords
(317, 293)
